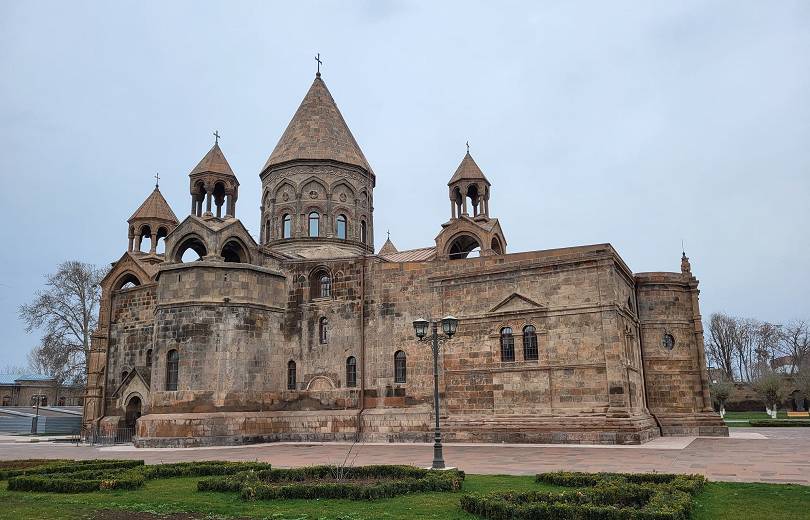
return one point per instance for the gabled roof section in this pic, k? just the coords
(318, 131)
(154, 207)
(516, 302)
(388, 248)
(468, 170)
(213, 162)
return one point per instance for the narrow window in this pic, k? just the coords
(325, 286)
(341, 227)
(286, 226)
(291, 375)
(363, 232)
(149, 358)
(323, 328)
(507, 344)
(351, 372)
(400, 367)
(314, 224)
(530, 352)
(172, 366)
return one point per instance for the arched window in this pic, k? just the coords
(341, 227)
(530, 343)
(507, 344)
(363, 232)
(233, 251)
(323, 330)
(314, 224)
(400, 367)
(351, 372)
(172, 368)
(149, 358)
(325, 286)
(291, 375)
(286, 226)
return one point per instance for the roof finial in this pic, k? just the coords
(216, 136)
(468, 146)
(318, 59)
(389, 234)
(157, 180)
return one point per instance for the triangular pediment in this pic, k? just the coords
(517, 302)
(135, 381)
(129, 263)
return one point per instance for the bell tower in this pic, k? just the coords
(470, 231)
(213, 185)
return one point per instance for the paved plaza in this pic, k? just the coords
(766, 455)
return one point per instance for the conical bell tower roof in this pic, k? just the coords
(468, 170)
(154, 207)
(214, 162)
(318, 131)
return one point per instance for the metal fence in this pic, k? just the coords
(45, 425)
(92, 435)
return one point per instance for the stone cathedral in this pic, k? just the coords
(209, 337)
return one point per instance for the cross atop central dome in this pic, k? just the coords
(318, 131)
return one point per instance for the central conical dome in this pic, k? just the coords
(318, 131)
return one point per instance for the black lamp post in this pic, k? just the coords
(449, 327)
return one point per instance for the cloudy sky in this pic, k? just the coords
(638, 123)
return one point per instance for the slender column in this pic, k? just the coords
(131, 240)
(193, 205)
(464, 208)
(208, 197)
(153, 243)
(452, 209)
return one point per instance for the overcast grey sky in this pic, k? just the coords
(635, 123)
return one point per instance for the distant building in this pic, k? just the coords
(26, 389)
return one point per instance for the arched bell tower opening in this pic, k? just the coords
(149, 226)
(464, 246)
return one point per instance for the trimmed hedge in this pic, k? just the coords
(780, 422)
(70, 466)
(84, 476)
(202, 468)
(304, 482)
(608, 496)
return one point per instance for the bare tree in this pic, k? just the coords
(721, 392)
(66, 311)
(794, 342)
(720, 345)
(770, 387)
(9, 368)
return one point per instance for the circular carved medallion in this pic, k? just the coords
(342, 197)
(285, 197)
(313, 194)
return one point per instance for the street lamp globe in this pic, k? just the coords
(449, 325)
(420, 326)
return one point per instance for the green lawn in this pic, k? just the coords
(740, 419)
(719, 501)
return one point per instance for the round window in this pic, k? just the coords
(668, 341)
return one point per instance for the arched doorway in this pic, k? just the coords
(133, 411)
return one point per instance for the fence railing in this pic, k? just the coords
(93, 435)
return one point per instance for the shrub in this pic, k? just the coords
(71, 467)
(84, 476)
(609, 496)
(307, 482)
